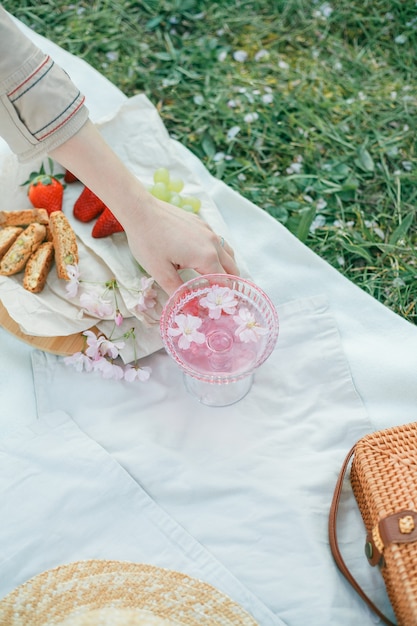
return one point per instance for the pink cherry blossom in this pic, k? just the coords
(132, 373)
(93, 344)
(94, 303)
(99, 356)
(147, 295)
(80, 361)
(187, 330)
(248, 328)
(72, 285)
(219, 299)
(99, 346)
(108, 369)
(118, 318)
(110, 348)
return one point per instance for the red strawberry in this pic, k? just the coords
(69, 177)
(87, 206)
(45, 191)
(106, 225)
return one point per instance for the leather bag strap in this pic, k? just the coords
(334, 546)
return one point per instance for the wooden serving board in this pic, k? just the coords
(63, 346)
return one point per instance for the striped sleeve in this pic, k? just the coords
(40, 107)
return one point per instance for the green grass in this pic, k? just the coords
(331, 153)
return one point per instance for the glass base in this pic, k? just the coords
(218, 394)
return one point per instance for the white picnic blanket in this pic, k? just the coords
(241, 494)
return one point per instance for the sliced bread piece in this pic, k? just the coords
(7, 237)
(38, 266)
(19, 252)
(65, 243)
(23, 218)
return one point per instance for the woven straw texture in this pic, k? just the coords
(104, 593)
(384, 481)
(117, 617)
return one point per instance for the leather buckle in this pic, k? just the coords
(399, 527)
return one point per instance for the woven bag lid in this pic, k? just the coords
(118, 593)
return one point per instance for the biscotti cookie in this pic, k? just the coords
(7, 237)
(26, 243)
(38, 266)
(65, 243)
(24, 218)
(48, 236)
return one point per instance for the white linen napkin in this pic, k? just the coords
(253, 481)
(63, 498)
(17, 400)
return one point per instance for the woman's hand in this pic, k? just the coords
(163, 238)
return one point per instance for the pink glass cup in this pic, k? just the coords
(219, 329)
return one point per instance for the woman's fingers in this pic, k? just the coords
(166, 239)
(212, 258)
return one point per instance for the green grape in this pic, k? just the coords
(175, 199)
(161, 175)
(176, 184)
(161, 191)
(188, 207)
(195, 203)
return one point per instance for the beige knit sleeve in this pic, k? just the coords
(40, 107)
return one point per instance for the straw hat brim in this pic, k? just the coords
(118, 593)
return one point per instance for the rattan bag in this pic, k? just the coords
(383, 476)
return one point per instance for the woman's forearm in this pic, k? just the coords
(88, 156)
(162, 238)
